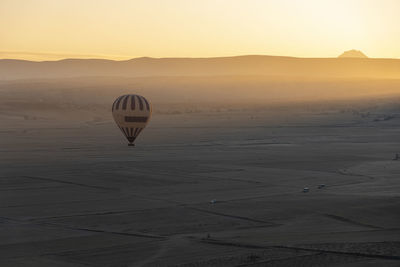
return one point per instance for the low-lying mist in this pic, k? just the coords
(208, 89)
(90, 98)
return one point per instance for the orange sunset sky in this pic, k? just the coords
(122, 29)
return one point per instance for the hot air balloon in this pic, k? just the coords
(131, 113)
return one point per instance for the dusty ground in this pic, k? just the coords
(74, 194)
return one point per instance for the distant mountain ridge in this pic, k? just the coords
(11, 69)
(352, 54)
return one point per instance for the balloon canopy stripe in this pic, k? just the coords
(125, 102)
(131, 113)
(115, 102)
(136, 132)
(140, 130)
(147, 104)
(136, 119)
(140, 103)
(118, 101)
(132, 102)
(122, 130)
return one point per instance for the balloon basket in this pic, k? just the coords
(131, 144)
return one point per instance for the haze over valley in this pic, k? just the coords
(199, 133)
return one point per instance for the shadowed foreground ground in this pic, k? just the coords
(73, 194)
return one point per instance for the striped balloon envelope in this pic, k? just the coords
(131, 113)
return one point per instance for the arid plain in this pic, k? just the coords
(209, 183)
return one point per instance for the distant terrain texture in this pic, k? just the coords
(246, 161)
(350, 64)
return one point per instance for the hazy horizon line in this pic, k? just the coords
(62, 56)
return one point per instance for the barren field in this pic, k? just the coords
(202, 187)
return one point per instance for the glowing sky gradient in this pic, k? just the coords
(121, 29)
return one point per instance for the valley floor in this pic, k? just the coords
(202, 189)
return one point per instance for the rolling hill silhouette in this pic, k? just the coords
(11, 69)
